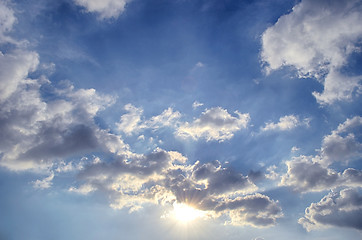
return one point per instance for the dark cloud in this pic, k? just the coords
(341, 209)
(313, 173)
(305, 175)
(160, 178)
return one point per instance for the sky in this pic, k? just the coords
(180, 119)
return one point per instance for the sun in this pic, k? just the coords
(185, 213)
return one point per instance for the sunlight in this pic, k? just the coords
(185, 213)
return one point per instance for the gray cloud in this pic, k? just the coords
(341, 209)
(342, 145)
(36, 133)
(305, 174)
(313, 173)
(164, 177)
(255, 210)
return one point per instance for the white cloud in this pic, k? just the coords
(7, 20)
(340, 209)
(45, 183)
(214, 124)
(316, 38)
(196, 104)
(167, 118)
(295, 149)
(83, 189)
(15, 67)
(105, 8)
(286, 123)
(133, 121)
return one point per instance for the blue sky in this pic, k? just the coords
(117, 113)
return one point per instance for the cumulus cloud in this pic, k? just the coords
(105, 8)
(342, 145)
(133, 122)
(130, 122)
(214, 124)
(286, 123)
(313, 173)
(38, 133)
(306, 174)
(256, 210)
(317, 38)
(164, 177)
(342, 209)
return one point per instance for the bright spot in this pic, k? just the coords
(184, 213)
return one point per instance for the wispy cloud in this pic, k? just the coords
(286, 123)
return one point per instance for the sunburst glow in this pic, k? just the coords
(185, 213)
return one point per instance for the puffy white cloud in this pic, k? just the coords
(316, 38)
(286, 123)
(341, 209)
(214, 124)
(130, 122)
(133, 121)
(167, 118)
(105, 8)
